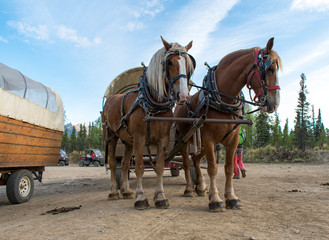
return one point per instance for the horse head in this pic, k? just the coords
(263, 77)
(178, 66)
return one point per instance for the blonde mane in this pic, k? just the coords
(155, 73)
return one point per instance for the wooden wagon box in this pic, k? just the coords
(26, 145)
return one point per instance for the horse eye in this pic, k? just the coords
(271, 69)
(170, 63)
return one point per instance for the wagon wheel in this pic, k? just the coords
(20, 186)
(96, 163)
(81, 164)
(61, 163)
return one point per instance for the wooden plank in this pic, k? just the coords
(16, 160)
(26, 145)
(22, 128)
(28, 149)
(22, 140)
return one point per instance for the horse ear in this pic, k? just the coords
(269, 45)
(188, 46)
(165, 44)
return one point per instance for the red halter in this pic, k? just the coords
(259, 62)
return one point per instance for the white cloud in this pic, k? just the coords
(151, 8)
(3, 40)
(133, 26)
(306, 56)
(39, 32)
(310, 5)
(71, 35)
(197, 21)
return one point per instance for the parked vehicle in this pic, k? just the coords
(63, 159)
(31, 126)
(92, 157)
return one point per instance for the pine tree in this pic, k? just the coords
(73, 140)
(302, 121)
(286, 139)
(250, 130)
(276, 135)
(65, 141)
(95, 136)
(317, 127)
(262, 130)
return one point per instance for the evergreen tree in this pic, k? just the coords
(262, 130)
(322, 139)
(95, 137)
(250, 131)
(286, 137)
(73, 140)
(82, 138)
(65, 141)
(302, 121)
(276, 136)
(318, 127)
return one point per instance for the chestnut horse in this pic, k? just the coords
(257, 68)
(163, 82)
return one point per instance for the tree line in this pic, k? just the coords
(308, 130)
(78, 141)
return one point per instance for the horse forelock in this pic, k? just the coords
(156, 75)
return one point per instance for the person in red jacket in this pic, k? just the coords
(238, 157)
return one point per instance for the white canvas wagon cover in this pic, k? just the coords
(26, 100)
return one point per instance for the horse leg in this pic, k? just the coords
(141, 201)
(215, 203)
(126, 192)
(231, 200)
(189, 192)
(200, 185)
(160, 199)
(113, 165)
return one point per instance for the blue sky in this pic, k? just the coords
(78, 47)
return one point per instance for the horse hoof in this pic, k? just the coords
(113, 196)
(234, 203)
(128, 195)
(142, 205)
(216, 206)
(201, 193)
(162, 204)
(188, 193)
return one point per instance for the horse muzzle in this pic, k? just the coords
(181, 98)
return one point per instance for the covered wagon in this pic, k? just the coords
(31, 128)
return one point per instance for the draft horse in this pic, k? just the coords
(219, 99)
(164, 82)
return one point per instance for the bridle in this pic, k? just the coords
(261, 65)
(172, 80)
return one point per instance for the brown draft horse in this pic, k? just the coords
(257, 68)
(163, 82)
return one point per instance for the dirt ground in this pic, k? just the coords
(279, 201)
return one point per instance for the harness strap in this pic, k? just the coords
(258, 61)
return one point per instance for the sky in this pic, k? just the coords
(78, 47)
